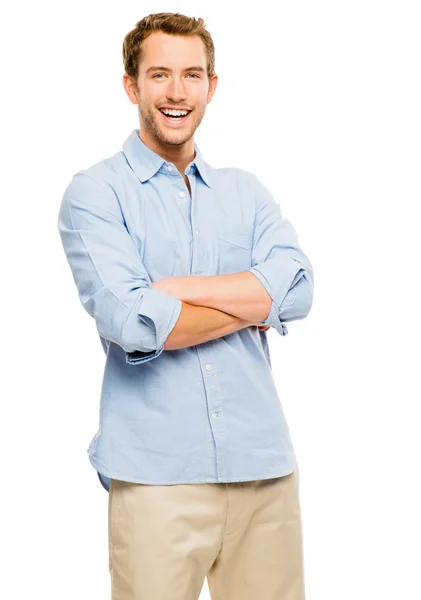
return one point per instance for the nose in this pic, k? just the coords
(175, 90)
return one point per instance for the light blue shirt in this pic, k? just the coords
(209, 412)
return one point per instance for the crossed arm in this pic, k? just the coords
(214, 306)
(137, 314)
(277, 288)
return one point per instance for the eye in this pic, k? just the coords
(158, 75)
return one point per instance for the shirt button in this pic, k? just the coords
(214, 415)
(169, 167)
(181, 194)
(208, 367)
(197, 232)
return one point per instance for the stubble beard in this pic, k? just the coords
(179, 138)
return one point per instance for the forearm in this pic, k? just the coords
(198, 324)
(239, 294)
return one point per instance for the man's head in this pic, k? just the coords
(169, 62)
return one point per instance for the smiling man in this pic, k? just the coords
(184, 267)
(172, 90)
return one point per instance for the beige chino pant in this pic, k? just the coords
(245, 537)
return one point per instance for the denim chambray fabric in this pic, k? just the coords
(210, 412)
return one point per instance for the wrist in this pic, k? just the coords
(197, 288)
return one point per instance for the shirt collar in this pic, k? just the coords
(145, 162)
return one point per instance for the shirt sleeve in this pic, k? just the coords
(279, 263)
(113, 284)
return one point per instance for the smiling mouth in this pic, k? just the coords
(176, 120)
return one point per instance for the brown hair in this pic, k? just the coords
(171, 23)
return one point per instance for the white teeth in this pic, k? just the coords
(175, 113)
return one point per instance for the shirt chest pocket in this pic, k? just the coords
(235, 243)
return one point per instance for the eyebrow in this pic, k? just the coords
(160, 68)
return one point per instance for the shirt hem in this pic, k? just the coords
(101, 469)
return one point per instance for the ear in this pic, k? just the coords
(213, 82)
(130, 88)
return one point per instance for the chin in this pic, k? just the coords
(175, 142)
(177, 137)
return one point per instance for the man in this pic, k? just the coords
(184, 267)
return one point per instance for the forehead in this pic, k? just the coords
(172, 51)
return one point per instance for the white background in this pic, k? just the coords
(321, 100)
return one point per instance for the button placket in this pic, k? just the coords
(213, 387)
(214, 399)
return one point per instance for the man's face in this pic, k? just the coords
(183, 84)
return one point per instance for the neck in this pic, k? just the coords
(180, 155)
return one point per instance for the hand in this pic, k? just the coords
(187, 288)
(256, 324)
(173, 286)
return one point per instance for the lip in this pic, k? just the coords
(175, 123)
